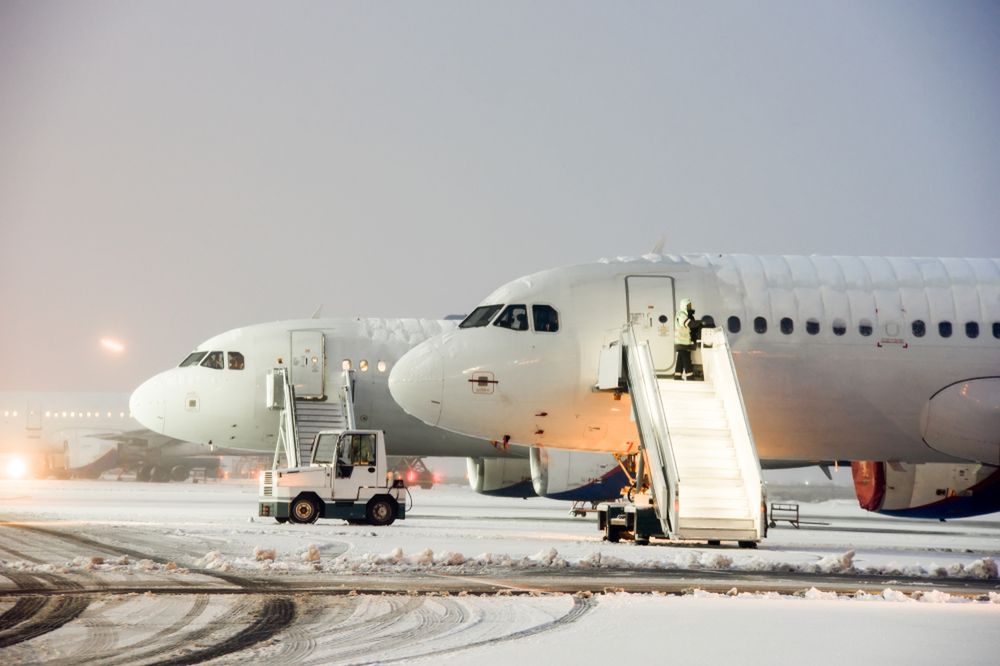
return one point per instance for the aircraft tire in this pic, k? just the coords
(381, 511)
(160, 474)
(144, 473)
(179, 473)
(303, 510)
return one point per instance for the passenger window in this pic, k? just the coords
(514, 317)
(760, 325)
(734, 325)
(996, 329)
(865, 327)
(382, 366)
(363, 365)
(345, 364)
(236, 361)
(546, 318)
(919, 328)
(812, 326)
(214, 361)
(839, 327)
(971, 329)
(480, 316)
(193, 359)
(708, 321)
(786, 325)
(944, 329)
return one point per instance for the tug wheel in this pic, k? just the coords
(380, 511)
(303, 510)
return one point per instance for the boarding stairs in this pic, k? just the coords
(300, 419)
(705, 477)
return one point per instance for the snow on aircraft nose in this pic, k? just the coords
(417, 382)
(147, 403)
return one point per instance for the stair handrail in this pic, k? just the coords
(288, 440)
(720, 369)
(654, 434)
(347, 398)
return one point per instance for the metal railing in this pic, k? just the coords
(653, 431)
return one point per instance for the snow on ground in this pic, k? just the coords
(214, 526)
(453, 530)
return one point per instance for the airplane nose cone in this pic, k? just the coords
(147, 404)
(417, 381)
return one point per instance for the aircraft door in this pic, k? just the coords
(308, 364)
(34, 424)
(890, 322)
(650, 303)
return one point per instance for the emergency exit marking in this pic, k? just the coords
(483, 382)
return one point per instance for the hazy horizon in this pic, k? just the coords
(172, 170)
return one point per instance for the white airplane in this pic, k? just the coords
(894, 362)
(216, 397)
(84, 434)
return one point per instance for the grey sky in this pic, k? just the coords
(171, 170)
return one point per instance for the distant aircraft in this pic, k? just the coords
(83, 435)
(892, 363)
(216, 397)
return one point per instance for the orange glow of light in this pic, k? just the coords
(16, 468)
(112, 345)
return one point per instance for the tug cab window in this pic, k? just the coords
(971, 329)
(760, 325)
(514, 317)
(919, 328)
(326, 445)
(214, 361)
(354, 450)
(236, 361)
(546, 318)
(481, 316)
(193, 358)
(734, 325)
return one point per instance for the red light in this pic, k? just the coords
(437, 478)
(411, 476)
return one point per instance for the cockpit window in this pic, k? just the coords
(192, 359)
(514, 317)
(481, 316)
(236, 361)
(213, 360)
(546, 318)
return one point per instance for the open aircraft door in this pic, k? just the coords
(308, 364)
(650, 303)
(34, 424)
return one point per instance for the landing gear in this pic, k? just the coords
(179, 473)
(144, 473)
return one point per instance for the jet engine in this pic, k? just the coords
(575, 475)
(500, 477)
(927, 490)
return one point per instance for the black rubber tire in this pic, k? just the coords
(160, 474)
(381, 511)
(179, 473)
(303, 511)
(144, 474)
(747, 544)
(613, 533)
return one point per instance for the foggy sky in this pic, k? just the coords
(171, 170)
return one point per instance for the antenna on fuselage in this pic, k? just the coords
(658, 248)
(318, 312)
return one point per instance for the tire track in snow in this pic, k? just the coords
(275, 615)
